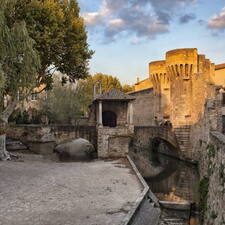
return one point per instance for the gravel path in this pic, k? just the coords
(43, 192)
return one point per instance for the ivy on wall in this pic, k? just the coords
(203, 193)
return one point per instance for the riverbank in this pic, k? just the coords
(36, 190)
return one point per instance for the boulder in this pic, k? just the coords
(75, 149)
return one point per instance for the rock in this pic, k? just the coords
(13, 145)
(75, 149)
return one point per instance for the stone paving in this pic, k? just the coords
(43, 192)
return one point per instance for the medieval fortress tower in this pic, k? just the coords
(180, 86)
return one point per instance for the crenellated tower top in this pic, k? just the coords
(157, 73)
(182, 63)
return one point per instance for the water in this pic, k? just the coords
(177, 183)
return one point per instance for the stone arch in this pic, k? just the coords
(142, 136)
(109, 119)
(173, 149)
(141, 149)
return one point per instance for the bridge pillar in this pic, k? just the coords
(100, 113)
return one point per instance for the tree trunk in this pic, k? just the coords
(4, 154)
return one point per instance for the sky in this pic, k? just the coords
(127, 34)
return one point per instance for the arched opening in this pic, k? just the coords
(109, 119)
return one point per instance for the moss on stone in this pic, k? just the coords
(203, 193)
(221, 174)
(210, 168)
(211, 150)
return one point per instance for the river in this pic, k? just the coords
(177, 189)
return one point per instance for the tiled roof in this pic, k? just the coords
(220, 66)
(114, 94)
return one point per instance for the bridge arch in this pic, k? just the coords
(143, 135)
(141, 149)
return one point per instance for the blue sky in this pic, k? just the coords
(127, 34)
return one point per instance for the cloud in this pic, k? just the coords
(187, 18)
(139, 18)
(217, 21)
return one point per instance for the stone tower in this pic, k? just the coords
(161, 84)
(190, 78)
(182, 83)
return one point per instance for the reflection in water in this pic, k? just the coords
(177, 182)
(172, 197)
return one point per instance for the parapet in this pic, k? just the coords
(182, 63)
(157, 67)
(157, 72)
(182, 54)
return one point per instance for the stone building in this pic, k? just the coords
(176, 91)
(179, 86)
(112, 113)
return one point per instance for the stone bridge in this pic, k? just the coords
(142, 152)
(143, 134)
(43, 138)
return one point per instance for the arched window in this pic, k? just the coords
(109, 119)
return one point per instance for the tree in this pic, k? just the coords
(19, 63)
(63, 104)
(60, 36)
(127, 88)
(108, 82)
(37, 38)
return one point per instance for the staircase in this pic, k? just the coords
(183, 138)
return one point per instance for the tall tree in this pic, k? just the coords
(127, 88)
(38, 37)
(63, 103)
(19, 63)
(107, 82)
(60, 36)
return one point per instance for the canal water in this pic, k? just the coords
(177, 184)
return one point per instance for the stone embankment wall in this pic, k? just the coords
(215, 171)
(146, 210)
(43, 138)
(208, 144)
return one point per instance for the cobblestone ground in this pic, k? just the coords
(42, 192)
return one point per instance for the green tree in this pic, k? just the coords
(60, 37)
(63, 103)
(107, 82)
(127, 88)
(37, 38)
(86, 87)
(19, 63)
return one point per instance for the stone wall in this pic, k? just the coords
(208, 148)
(214, 169)
(146, 211)
(43, 138)
(114, 142)
(143, 84)
(219, 78)
(145, 105)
